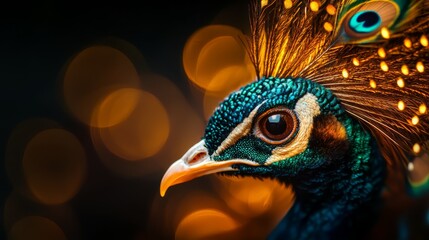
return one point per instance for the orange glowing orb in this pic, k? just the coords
(252, 197)
(198, 40)
(91, 75)
(36, 228)
(54, 165)
(143, 133)
(15, 149)
(216, 55)
(204, 224)
(115, 108)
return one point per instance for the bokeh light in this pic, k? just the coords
(116, 107)
(205, 223)
(198, 40)
(159, 140)
(36, 228)
(18, 139)
(181, 202)
(91, 75)
(251, 197)
(215, 60)
(143, 133)
(222, 67)
(217, 54)
(18, 206)
(54, 166)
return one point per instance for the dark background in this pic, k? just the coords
(36, 41)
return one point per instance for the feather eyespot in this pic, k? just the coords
(276, 126)
(364, 22)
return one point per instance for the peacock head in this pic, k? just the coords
(314, 122)
(275, 127)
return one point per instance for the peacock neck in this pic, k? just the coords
(339, 201)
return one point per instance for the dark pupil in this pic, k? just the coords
(276, 124)
(369, 18)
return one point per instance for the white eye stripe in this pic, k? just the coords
(306, 109)
(239, 131)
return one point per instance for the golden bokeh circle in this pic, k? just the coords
(36, 228)
(143, 133)
(183, 121)
(216, 55)
(15, 148)
(115, 107)
(253, 197)
(54, 165)
(205, 223)
(198, 40)
(91, 75)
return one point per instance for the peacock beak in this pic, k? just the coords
(196, 163)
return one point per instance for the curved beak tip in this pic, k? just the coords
(162, 189)
(172, 176)
(196, 163)
(162, 192)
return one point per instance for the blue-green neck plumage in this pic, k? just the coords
(339, 202)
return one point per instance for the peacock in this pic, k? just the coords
(339, 104)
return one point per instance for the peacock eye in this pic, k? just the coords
(276, 126)
(366, 20)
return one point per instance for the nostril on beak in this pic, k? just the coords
(197, 158)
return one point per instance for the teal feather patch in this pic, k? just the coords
(248, 147)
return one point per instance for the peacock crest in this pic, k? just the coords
(373, 55)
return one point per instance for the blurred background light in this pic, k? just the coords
(251, 197)
(156, 131)
(36, 228)
(54, 166)
(205, 223)
(115, 107)
(217, 54)
(18, 206)
(22, 133)
(143, 133)
(197, 42)
(93, 74)
(217, 63)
